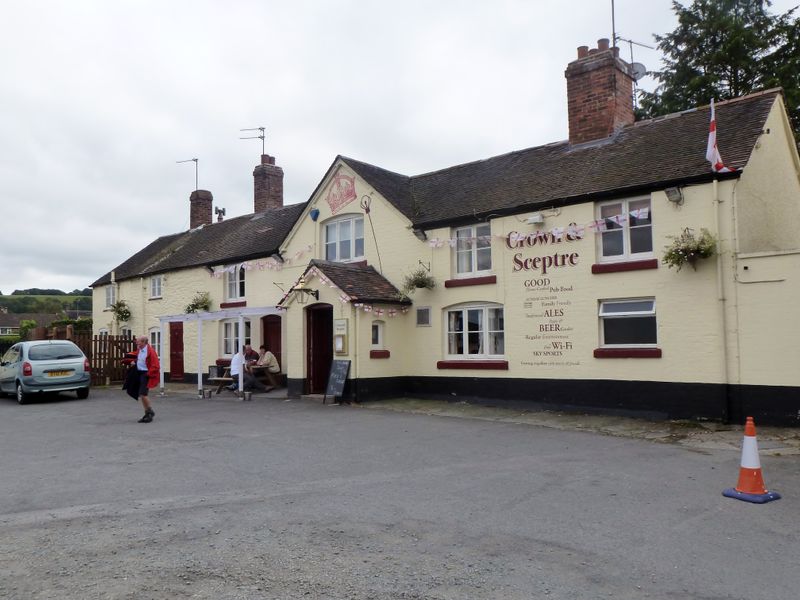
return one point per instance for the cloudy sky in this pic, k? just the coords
(100, 99)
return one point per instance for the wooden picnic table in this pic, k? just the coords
(222, 381)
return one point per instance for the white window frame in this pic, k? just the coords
(126, 331)
(616, 309)
(156, 283)
(111, 294)
(354, 221)
(9, 330)
(627, 205)
(229, 337)
(378, 327)
(485, 334)
(235, 287)
(472, 242)
(423, 310)
(154, 336)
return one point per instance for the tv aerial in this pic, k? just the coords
(261, 136)
(195, 161)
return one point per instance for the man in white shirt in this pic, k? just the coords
(237, 364)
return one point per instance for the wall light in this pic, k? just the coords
(674, 195)
(302, 293)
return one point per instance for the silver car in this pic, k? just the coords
(29, 368)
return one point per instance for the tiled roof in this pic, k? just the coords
(14, 319)
(646, 155)
(361, 282)
(237, 239)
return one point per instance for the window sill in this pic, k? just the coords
(627, 353)
(155, 298)
(470, 281)
(233, 304)
(487, 365)
(631, 265)
(379, 354)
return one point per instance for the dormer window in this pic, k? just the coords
(625, 230)
(344, 239)
(234, 283)
(473, 251)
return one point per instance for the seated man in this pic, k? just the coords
(250, 382)
(267, 360)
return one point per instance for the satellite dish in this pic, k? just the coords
(638, 70)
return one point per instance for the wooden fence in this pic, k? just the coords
(105, 352)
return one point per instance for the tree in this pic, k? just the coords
(723, 49)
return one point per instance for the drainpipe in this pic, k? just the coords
(199, 357)
(355, 353)
(161, 358)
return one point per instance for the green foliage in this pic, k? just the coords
(688, 248)
(121, 311)
(200, 303)
(419, 279)
(8, 340)
(723, 49)
(45, 304)
(25, 326)
(81, 324)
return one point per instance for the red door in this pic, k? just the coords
(271, 334)
(319, 344)
(176, 351)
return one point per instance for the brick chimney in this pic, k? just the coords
(200, 203)
(599, 93)
(268, 185)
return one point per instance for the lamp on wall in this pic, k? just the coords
(302, 293)
(674, 195)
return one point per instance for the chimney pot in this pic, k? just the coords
(583, 51)
(602, 44)
(266, 159)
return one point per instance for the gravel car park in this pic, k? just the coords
(32, 368)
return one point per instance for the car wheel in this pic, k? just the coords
(22, 397)
(83, 393)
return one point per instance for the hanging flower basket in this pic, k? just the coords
(419, 279)
(687, 248)
(121, 311)
(200, 303)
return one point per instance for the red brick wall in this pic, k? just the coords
(599, 94)
(267, 185)
(200, 205)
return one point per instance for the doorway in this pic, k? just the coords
(319, 347)
(176, 351)
(271, 336)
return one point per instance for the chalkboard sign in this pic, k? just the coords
(336, 379)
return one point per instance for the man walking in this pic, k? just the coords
(149, 368)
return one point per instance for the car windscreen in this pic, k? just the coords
(54, 352)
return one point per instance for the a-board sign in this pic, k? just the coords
(336, 379)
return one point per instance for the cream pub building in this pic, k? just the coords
(549, 284)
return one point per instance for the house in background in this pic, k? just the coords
(550, 289)
(10, 322)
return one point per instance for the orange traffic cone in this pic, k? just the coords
(751, 483)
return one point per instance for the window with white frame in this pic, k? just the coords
(344, 239)
(8, 330)
(234, 283)
(628, 323)
(127, 332)
(230, 336)
(111, 295)
(475, 331)
(625, 229)
(424, 316)
(155, 339)
(473, 249)
(377, 335)
(155, 286)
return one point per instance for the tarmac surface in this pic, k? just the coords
(278, 498)
(696, 435)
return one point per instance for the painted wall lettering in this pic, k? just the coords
(544, 263)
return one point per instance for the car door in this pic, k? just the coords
(8, 368)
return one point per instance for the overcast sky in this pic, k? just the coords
(101, 98)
